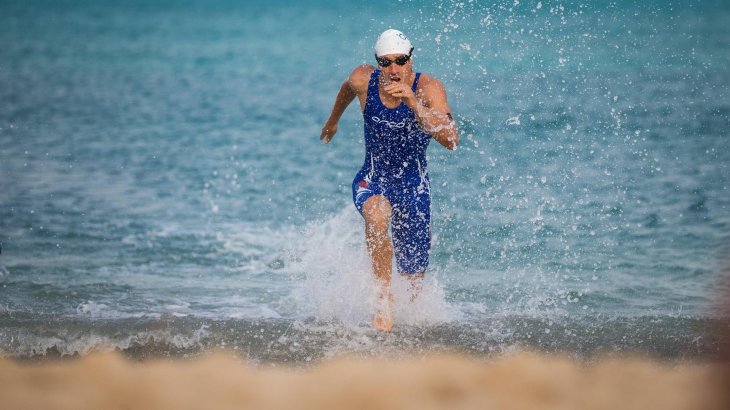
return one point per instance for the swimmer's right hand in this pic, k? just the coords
(328, 131)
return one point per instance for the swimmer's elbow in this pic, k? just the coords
(452, 142)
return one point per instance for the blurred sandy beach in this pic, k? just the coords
(220, 380)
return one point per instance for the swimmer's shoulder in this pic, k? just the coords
(430, 87)
(427, 82)
(360, 77)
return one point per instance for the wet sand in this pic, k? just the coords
(220, 380)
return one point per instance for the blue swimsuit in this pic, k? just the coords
(395, 167)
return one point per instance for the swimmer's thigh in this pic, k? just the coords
(411, 231)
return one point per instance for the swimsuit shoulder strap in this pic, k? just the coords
(415, 82)
(373, 83)
(373, 92)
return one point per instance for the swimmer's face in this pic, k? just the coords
(392, 70)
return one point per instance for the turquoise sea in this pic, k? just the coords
(163, 190)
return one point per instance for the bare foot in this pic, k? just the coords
(383, 320)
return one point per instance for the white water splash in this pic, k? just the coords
(513, 120)
(90, 308)
(339, 285)
(69, 343)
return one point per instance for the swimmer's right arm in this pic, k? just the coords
(344, 98)
(349, 89)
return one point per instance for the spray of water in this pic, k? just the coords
(338, 285)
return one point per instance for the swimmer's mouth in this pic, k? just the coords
(394, 79)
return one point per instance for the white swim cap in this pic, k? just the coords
(392, 42)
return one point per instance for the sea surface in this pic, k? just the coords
(163, 189)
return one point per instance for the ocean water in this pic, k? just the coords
(163, 190)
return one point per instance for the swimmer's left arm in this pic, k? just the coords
(431, 109)
(434, 114)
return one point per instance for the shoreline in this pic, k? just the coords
(31, 338)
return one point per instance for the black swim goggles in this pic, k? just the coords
(402, 60)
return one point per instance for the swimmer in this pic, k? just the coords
(402, 110)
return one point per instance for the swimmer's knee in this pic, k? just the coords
(377, 211)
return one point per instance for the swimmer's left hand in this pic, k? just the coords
(402, 91)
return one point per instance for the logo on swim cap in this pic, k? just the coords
(392, 42)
